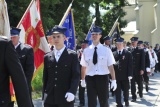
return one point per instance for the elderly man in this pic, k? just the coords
(26, 57)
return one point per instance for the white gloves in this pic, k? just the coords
(113, 85)
(45, 96)
(83, 83)
(148, 69)
(129, 78)
(69, 96)
(156, 61)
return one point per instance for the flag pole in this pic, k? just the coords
(73, 26)
(91, 27)
(113, 27)
(66, 13)
(25, 13)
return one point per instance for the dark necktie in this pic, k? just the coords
(134, 48)
(95, 56)
(119, 54)
(52, 48)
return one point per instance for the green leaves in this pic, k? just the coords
(52, 12)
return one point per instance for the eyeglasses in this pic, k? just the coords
(54, 37)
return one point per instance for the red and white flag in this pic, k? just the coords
(32, 33)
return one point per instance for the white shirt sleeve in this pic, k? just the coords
(83, 62)
(110, 58)
(155, 56)
(150, 57)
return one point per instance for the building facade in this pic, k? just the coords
(143, 18)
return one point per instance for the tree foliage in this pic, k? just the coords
(52, 12)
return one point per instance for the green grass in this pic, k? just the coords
(36, 94)
(37, 85)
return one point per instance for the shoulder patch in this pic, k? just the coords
(27, 45)
(71, 51)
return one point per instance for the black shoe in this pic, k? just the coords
(141, 96)
(146, 86)
(119, 106)
(112, 94)
(133, 100)
(81, 105)
(127, 104)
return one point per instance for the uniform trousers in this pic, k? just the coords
(63, 105)
(122, 85)
(145, 76)
(97, 86)
(111, 89)
(81, 94)
(139, 80)
(30, 92)
(7, 105)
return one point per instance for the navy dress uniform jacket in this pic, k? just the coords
(123, 67)
(138, 60)
(60, 77)
(26, 57)
(147, 60)
(10, 66)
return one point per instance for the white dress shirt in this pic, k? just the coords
(58, 53)
(120, 50)
(105, 59)
(16, 45)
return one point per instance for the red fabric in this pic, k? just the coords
(33, 35)
(11, 89)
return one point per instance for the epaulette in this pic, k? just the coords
(105, 46)
(47, 53)
(72, 51)
(28, 45)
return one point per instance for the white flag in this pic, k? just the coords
(4, 19)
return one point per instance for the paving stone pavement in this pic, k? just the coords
(150, 99)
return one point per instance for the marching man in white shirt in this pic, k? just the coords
(97, 62)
